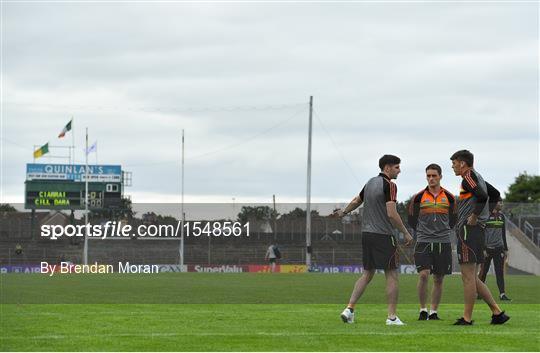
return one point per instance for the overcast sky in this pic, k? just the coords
(419, 80)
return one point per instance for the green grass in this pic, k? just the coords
(227, 288)
(298, 312)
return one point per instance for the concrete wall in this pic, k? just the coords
(522, 253)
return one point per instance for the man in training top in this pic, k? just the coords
(379, 247)
(495, 248)
(473, 213)
(271, 257)
(432, 215)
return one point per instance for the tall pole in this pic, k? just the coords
(85, 251)
(183, 215)
(308, 193)
(274, 216)
(73, 138)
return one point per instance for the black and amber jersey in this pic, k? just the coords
(496, 231)
(432, 216)
(473, 198)
(376, 193)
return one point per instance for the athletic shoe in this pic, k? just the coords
(396, 321)
(423, 316)
(433, 316)
(504, 297)
(347, 316)
(462, 322)
(499, 319)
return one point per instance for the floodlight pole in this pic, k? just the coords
(73, 139)
(274, 217)
(308, 193)
(183, 215)
(85, 250)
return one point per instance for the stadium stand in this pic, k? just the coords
(527, 218)
(334, 242)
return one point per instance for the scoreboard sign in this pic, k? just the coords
(74, 172)
(65, 195)
(62, 186)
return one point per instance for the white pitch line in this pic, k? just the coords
(205, 334)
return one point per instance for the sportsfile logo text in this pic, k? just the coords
(119, 230)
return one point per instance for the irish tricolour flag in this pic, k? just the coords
(66, 129)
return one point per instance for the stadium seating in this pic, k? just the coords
(333, 242)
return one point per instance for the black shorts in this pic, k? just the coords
(470, 244)
(495, 252)
(379, 251)
(272, 260)
(436, 257)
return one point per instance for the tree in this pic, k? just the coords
(250, 213)
(299, 213)
(124, 211)
(167, 219)
(403, 209)
(526, 188)
(6, 207)
(153, 218)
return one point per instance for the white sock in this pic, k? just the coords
(432, 312)
(423, 309)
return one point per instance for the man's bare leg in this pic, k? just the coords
(469, 277)
(360, 286)
(392, 291)
(422, 287)
(436, 292)
(485, 293)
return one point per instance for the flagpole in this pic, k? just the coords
(308, 191)
(73, 139)
(182, 215)
(85, 251)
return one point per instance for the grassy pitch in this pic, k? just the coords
(247, 312)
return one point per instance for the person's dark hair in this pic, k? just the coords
(465, 156)
(388, 159)
(436, 167)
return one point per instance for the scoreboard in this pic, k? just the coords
(63, 191)
(62, 195)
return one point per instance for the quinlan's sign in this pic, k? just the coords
(75, 172)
